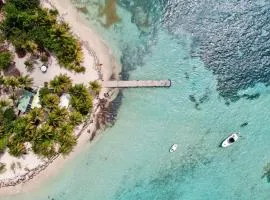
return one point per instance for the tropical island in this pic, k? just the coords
(50, 89)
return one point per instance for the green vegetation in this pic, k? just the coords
(50, 101)
(61, 83)
(81, 100)
(29, 64)
(5, 60)
(75, 118)
(95, 87)
(48, 129)
(3, 144)
(13, 82)
(25, 81)
(35, 30)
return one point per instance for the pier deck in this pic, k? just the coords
(136, 84)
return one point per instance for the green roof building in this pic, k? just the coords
(25, 101)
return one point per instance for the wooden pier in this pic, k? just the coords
(136, 84)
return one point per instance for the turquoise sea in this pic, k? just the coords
(216, 52)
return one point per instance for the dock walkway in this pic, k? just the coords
(136, 84)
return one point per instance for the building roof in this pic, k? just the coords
(24, 103)
(36, 101)
(64, 100)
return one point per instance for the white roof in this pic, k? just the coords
(64, 100)
(36, 101)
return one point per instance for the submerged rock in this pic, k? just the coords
(141, 19)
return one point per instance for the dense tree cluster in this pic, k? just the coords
(35, 30)
(48, 129)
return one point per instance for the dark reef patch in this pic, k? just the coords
(200, 100)
(244, 124)
(251, 96)
(231, 37)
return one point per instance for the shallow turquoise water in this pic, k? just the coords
(131, 161)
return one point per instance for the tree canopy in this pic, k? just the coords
(61, 83)
(25, 4)
(49, 129)
(81, 100)
(30, 28)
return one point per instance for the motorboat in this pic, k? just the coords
(173, 148)
(230, 140)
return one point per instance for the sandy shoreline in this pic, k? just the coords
(101, 54)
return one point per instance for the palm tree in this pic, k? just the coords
(81, 100)
(57, 117)
(44, 148)
(19, 128)
(75, 118)
(67, 142)
(64, 131)
(50, 101)
(4, 103)
(61, 83)
(45, 132)
(35, 116)
(95, 86)
(25, 81)
(16, 148)
(30, 46)
(11, 82)
(78, 90)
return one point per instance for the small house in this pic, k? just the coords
(64, 100)
(25, 101)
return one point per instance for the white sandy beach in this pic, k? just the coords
(80, 27)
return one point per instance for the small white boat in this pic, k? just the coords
(230, 140)
(173, 148)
